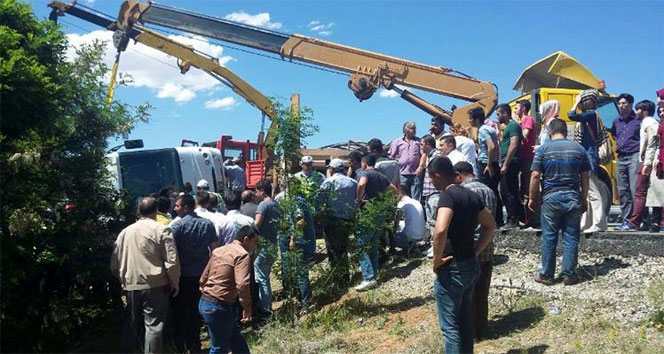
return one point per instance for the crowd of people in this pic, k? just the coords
(209, 258)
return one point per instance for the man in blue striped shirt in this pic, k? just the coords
(562, 167)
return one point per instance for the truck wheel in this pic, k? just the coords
(607, 196)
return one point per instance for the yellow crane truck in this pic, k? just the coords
(561, 77)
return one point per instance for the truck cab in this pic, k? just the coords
(144, 172)
(561, 77)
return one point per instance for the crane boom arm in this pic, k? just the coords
(369, 70)
(187, 56)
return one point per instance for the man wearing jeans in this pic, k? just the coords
(407, 151)
(226, 281)
(563, 168)
(455, 252)
(625, 129)
(371, 184)
(145, 260)
(488, 156)
(267, 219)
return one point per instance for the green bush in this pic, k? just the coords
(59, 214)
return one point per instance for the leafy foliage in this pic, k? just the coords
(59, 212)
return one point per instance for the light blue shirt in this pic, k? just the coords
(339, 193)
(483, 134)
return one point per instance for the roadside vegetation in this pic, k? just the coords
(59, 214)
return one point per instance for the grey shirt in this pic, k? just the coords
(269, 226)
(339, 195)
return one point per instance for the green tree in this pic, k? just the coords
(59, 212)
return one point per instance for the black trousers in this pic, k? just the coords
(481, 299)
(187, 318)
(336, 241)
(511, 193)
(492, 182)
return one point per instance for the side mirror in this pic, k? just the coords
(133, 144)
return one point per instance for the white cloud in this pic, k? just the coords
(89, 2)
(221, 103)
(322, 29)
(259, 20)
(177, 92)
(153, 69)
(387, 93)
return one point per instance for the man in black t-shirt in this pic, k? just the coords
(455, 252)
(371, 183)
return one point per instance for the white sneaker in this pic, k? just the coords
(430, 252)
(366, 285)
(591, 230)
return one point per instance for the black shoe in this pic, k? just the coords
(654, 229)
(570, 280)
(539, 278)
(510, 226)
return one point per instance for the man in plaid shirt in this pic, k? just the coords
(481, 291)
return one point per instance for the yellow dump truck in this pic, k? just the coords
(561, 77)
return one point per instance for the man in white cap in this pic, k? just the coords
(203, 185)
(338, 195)
(308, 173)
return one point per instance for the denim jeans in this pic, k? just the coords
(414, 184)
(628, 167)
(295, 267)
(510, 192)
(367, 242)
(561, 212)
(492, 182)
(453, 289)
(262, 269)
(222, 321)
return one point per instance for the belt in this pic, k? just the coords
(216, 301)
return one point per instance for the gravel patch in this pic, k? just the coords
(615, 285)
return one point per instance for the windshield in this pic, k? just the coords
(608, 111)
(147, 172)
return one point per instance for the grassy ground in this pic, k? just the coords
(391, 320)
(400, 315)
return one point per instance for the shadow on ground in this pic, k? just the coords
(538, 349)
(500, 259)
(515, 321)
(590, 272)
(399, 271)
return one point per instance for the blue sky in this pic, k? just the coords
(621, 42)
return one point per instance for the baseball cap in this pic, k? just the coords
(306, 159)
(245, 230)
(202, 184)
(337, 163)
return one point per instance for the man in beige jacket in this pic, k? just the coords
(145, 260)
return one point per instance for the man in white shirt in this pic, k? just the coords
(449, 149)
(411, 224)
(220, 221)
(468, 148)
(235, 217)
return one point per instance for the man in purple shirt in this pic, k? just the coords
(625, 129)
(407, 151)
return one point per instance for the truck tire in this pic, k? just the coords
(607, 196)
